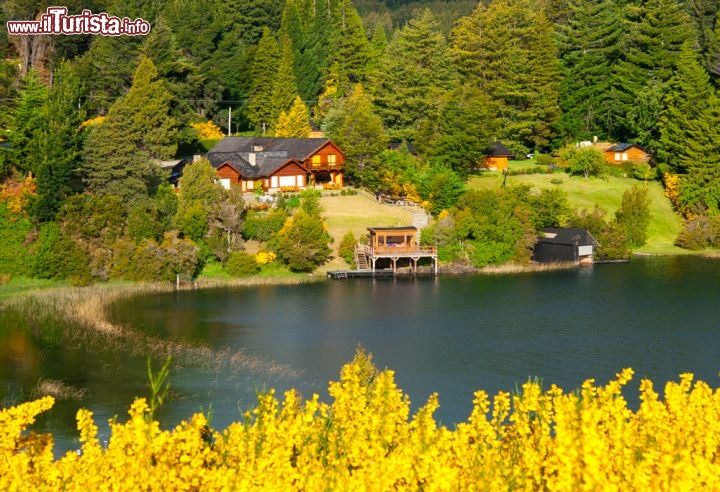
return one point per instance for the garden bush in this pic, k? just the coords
(241, 264)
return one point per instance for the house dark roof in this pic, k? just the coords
(408, 145)
(497, 149)
(622, 147)
(559, 235)
(260, 156)
(177, 171)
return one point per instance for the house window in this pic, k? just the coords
(624, 156)
(225, 182)
(287, 181)
(316, 160)
(331, 159)
(249, 184)
(617, 156)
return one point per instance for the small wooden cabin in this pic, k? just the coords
(626, 152)
(560, 245)
(393, 239)
(497, 157)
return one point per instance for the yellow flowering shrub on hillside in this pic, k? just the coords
(18, 193)
(265, 257)
(208, 129)
(366, 439)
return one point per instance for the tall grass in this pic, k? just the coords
(81, 315)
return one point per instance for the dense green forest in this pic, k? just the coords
(89, 116)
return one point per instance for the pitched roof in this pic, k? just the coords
(622, 147)
(562, 235)
(260, 156)
(497, 149)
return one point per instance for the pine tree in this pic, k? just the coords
(686, 97)
(507, 49)
(349, 46)
(199, 193)
(656, 31)
(449, 142)
(590, 46)
(120, 153)
(284, 86)
(264, 67)
(61, 144)
(357, 130)
(700, 186)
(413, 75)
(295, 123)
(28, 124)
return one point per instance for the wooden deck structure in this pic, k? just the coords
(397, 245)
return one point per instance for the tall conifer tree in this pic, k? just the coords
(284, 87)
(686, 98)
(413, 75)
(294, 123)
(264, 67)
(590, 46)
(121, 153)
(61, 144)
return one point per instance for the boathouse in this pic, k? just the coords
(559, 245)
(388, 249)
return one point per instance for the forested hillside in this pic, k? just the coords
(89, 113)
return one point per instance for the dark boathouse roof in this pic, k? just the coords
(570, 236)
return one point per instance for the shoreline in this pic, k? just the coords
(83, 315)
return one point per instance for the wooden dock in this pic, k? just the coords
(343, 274)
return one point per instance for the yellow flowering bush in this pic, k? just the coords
(265, 257)
(366, 439)
(208, 129)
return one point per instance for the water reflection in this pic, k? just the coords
(451, 335)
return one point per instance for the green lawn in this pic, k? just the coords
(585, 193)
(23, 284)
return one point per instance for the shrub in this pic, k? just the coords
(586, 161)
(263, 226)
(241, 264)
(644, 172)
(346, 250)
(545, 160)
(700, 233)
(303, 242)
(634, 215)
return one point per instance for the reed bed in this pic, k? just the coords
(517, 268)
(81, 315)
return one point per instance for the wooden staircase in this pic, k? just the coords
(361, 257)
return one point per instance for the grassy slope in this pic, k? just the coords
(356, 213)
(606, 193)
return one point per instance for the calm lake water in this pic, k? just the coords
(450, 335)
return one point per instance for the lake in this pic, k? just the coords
(451, 335)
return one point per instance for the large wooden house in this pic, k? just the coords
(277, 164)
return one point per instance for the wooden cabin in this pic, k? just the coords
(393, 239)
(497, 157)
(561, 245)
(626, 152)
(394, 247)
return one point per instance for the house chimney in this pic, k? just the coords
(251, 158)
(196, 157)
